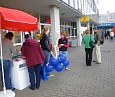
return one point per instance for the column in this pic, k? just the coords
(88, 25)
(79, 37)
(55, 24)
(92, 30)
(55, 27)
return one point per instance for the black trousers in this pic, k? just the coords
(89, 52)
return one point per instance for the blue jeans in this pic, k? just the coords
(7, 73)
(47, 56)
(35, 75)
(65, 53)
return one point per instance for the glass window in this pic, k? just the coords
(72, 3)
(17, 38)
(99, 17)
(36, 35)
(45, 19)
(66, 1)
(18, 48)
(79, 4)
(84, 6)
(110, 17)
(114, 16)
(76, 4)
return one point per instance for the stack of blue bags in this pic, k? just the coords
(58, 64)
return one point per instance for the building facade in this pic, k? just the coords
(107, 20)
(107, 17)
(58, 15)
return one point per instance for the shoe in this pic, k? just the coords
(98, 63)
(37, 87)
(32, 88)
(12, 89)
(94, 61)
(88, 65)
(67, 69)
(50, 75)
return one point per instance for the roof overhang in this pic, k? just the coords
(43, 7)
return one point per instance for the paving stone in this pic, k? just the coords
(97, 80)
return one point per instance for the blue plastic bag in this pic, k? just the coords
(43, 73)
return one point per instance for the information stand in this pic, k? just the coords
(19, 74)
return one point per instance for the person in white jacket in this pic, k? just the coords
(111, 35)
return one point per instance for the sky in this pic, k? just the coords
(106, 5)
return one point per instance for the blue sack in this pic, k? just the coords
(43, 73)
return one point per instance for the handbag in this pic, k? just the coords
(102, 40)
(43, 73)
(91, 43)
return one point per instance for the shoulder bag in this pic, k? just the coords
(91, 43)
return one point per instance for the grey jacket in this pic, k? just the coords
(97, 37)
(8, 49)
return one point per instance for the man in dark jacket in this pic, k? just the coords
(33, 53)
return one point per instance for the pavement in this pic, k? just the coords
(97, 80)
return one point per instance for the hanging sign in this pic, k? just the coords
(85, 19)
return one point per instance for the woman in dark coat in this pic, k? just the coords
(45, 44)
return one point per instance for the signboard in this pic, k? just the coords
(107, 24)
(85, 19)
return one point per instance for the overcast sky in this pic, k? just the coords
(106, 5)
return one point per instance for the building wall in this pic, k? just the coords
(107, 17)
(86, 7)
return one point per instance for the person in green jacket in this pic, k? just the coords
(89, 50)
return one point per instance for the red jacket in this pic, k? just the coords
(32, 51)
(51, 48)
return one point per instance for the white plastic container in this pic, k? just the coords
(19, 74)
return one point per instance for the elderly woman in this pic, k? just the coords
(88, 49)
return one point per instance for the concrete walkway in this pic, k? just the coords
(97, 80)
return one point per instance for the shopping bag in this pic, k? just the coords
(43, 73)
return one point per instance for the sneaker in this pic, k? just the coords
(67, 69)
(50, 75)
(32, 88)
(98, 63)
(37, 87)
(88, 65)
(13, 89)
(94, 61)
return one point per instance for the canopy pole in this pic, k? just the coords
(4, 88)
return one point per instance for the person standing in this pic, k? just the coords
(86, 40)
(63, 46)
(45, 44)
(97, 49)
(111, 35)
(7, 51)
(108, 34)
(34, 56)
(105, 35)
